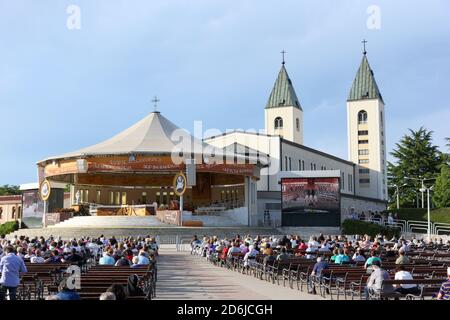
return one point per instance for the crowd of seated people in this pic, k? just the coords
(327, 250)
(20, 252)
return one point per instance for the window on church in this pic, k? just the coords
(364, 181)
(290, 164)
(297, 123)
(363, 152)
(362, 117)
(285, 163)
(364, 171)
(299, 165)
(278, 123)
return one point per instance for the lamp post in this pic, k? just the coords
(398, 193)
(422, 188)
(428, 209)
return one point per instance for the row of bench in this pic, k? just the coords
(341, 280)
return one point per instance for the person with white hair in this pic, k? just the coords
(250, 257)
(444, 292)
(107, 296)
(135, 262)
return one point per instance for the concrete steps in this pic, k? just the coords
(110, 222)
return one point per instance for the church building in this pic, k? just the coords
(362, 177)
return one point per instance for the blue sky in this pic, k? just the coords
(210, 60)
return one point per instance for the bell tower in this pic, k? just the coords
(283, 112)
(367, 133)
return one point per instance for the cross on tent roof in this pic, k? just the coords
(155, 101)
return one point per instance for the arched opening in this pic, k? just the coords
(362, 117)
(278, 123)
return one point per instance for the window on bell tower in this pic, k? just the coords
(362, 117)
(297, 124)
(278, 123)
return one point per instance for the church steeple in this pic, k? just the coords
(364, 86)
(283, 93)
(283, 112)
(366, 133)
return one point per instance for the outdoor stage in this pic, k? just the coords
(134, 173)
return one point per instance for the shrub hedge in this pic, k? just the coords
(356, 227)
(8, 227)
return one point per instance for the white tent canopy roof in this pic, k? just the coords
(154, 134)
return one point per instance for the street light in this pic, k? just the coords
(422, 180)
(398, 197)
(428, 208)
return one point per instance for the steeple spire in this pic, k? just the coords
(364, 41)
(364, 86)
(282, 54)
(283, 93)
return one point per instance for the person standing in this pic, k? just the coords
(11, 266)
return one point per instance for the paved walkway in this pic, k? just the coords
(182, 276)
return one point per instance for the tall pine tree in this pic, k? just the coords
(441, 194)
(416, 157)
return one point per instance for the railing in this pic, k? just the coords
(412, 226)
(181, 243)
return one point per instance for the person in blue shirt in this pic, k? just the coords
(107, 258)
(317, 273)
(341, 258)
(11, 266)
(66, 291)
(143, 259)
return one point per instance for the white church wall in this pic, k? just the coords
(269, 145)
(309, 157)
(289, 115)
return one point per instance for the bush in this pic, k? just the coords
(356, 227)
(9, 227)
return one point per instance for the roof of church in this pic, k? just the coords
(283, 93)
(364, 86)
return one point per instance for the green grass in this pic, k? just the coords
(441, 215)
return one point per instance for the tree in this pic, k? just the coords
(8, 190)
(441, 194)
(416, 157)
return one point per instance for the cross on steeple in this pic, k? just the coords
(364, 44)
(155, 101)
(282, 54)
